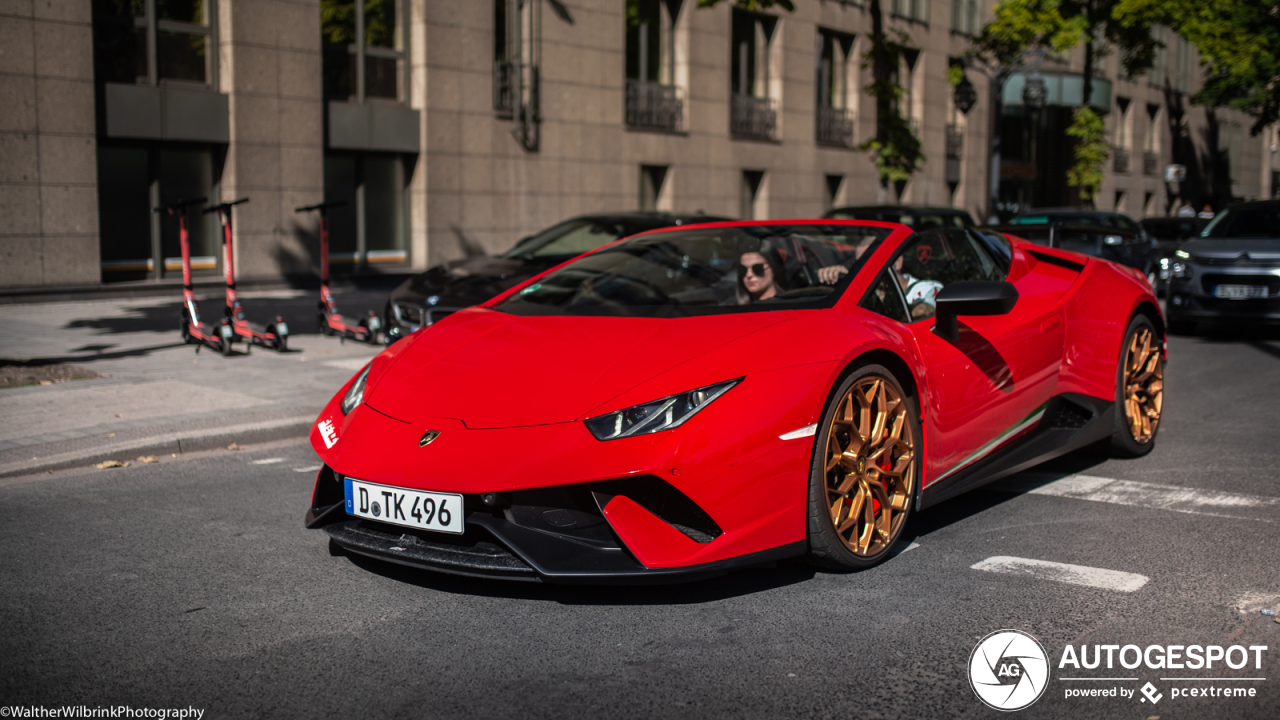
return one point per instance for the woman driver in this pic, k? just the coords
(759, 278)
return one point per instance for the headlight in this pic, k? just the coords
(355, 393)
(664, 414)
(1180, 270)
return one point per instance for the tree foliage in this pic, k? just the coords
(1091, 152)
(1021, 27)
(1239, 43)
(895, 149)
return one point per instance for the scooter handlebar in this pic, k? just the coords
(321, 206)
(178, 206)
(223, 206)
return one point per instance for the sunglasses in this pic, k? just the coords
(756, 269)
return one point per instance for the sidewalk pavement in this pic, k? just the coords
(160, 396)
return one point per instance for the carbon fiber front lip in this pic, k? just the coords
(519, 553)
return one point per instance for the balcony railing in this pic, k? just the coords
(835, 127)
(1121, 160)
(654, 106)
(753, 117)
(503, 87)
(1150, 163)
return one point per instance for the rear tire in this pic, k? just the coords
(282, 343)
(861, 492)
(224, 346)
(1139, 390)
(186, 328)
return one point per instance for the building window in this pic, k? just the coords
(1124, 135)
(1151, 149)
(373, 227)
(833, 192)
(916, 10)
(753, 88)
(136, 242)
(837, 88)
(1231, 148)
(1156, 76)
(910, 77)
(154, 41)
(517, 58)
(654, 193)
(752, 200)
(1184, 64)
(966, 16)
(653, 97)
(364, 49)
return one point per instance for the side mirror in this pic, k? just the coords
(971, 298)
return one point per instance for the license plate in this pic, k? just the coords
(440, 512)
(1240, 292)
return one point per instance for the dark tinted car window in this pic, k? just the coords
(1246, 221)
(688, 272)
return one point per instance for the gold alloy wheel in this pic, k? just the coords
(1143, 385)
(870, 467)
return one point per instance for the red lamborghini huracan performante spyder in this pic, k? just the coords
(692, 400)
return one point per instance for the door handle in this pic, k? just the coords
(1050, 324)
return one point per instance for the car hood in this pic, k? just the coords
(1230, 248)
(463, 283)
(494, 370)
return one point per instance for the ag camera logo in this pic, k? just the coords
(1008, 670)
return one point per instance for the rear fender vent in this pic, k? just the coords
(662, 499)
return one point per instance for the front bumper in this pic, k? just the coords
(1191, 298)
(560, 534)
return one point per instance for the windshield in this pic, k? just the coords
(706, 271)
(569, 238)
(1245, 221)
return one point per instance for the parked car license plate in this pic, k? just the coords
(441, 512)
(1240, 292)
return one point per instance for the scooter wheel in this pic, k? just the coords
(224, 347)
(185, 328)
(282, 343)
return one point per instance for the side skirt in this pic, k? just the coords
(1071, 421)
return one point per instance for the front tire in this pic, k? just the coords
(1139, 390)
(865, 472)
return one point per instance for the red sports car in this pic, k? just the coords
(692, 400)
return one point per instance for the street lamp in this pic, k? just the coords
(1034, 94)
(966, 95)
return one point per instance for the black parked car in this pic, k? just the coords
(916, 218)
(1170, 233)
(1126, 248)
(1231, 271)
(444, 289)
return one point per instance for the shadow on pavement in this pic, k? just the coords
(741, 582)
(999, 492)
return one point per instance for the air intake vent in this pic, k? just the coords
(1067, 415)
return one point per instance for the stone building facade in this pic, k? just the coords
(453, 126)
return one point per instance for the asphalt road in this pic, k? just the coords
(191, 582)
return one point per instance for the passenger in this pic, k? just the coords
(759, 277)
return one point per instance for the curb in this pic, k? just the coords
(195, 441)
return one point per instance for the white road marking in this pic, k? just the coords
(910, 547)
(804, 432)
(309, 468)
(351, 364)
(1062, 572)
(1163, 497)
(268, 461)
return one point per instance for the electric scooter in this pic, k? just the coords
(275, 335)
(193, 329)
(329, 319)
